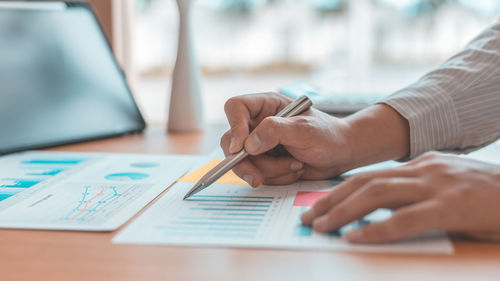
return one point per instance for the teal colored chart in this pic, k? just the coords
(221, 216)
(31, 172)
(127, 176)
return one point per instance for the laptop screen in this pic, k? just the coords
(59, 82)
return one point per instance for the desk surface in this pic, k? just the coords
(62, 255)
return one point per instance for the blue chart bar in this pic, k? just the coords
(221, 216)
(65, 161)
(20, 183)
(51, 172)
(5, 196)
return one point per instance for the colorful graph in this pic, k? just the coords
(91, 203)
(229, 216)
(126, 176)
(97, 202)
(30, 172)
(6, 193)
(19, 183)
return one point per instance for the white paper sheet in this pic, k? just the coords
(239, 216)
(82, 191)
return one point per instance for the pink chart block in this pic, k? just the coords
(307, 198)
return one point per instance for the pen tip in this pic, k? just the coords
(192, 191)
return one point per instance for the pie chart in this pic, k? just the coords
(126, 176)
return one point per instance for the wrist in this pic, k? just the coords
(376, 134)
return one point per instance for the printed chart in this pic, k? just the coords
(21, 174)
(98, 202)
(96, 192)
(228, 216)
(240, 216)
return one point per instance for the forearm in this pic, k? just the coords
(455, 106)
(376, 134)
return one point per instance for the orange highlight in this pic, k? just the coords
(229, 178)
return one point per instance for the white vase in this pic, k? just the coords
(186, 106)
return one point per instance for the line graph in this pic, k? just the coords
(98, 202)
(92, 204)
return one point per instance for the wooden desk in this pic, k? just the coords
(60, 255)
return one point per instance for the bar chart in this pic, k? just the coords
(221, 216)
(29, 171)
(82, 191)
(236, 215)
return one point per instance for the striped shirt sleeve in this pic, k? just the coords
(456, 106)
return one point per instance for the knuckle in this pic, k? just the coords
(270, 123)
(433, 165)
(430, 155)
(301, 120)
(304, 124)
(230, 103)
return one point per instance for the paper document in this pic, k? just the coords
(81, 191)
(229, 214)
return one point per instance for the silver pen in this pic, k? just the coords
(295, 108)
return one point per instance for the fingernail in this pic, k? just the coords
(248, 179)
(355, 236)
(253, 144)
(296, 165)
(308, 215)
(233, 146)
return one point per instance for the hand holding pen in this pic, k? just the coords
(295, 108)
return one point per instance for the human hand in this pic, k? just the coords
(434, 191)
(313, 144)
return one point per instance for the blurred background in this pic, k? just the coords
(358, 46)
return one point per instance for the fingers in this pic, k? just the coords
(249, 173)
(245, 110)
(277, 130)
(285, 179)
(351, 185)
(381, 193)
(264, 169)
(272, 167)
(411, 220)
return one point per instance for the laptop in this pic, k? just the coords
(59, 81)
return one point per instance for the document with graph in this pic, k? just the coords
(81, 191)
(230, 213)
